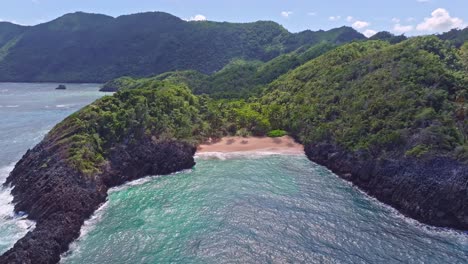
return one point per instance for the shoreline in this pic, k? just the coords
(280, 145)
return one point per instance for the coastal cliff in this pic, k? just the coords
(65, 178)
(433, 190)
(60, 198)
(389, 118)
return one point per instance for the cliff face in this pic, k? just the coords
(432, 190)
(60, 199)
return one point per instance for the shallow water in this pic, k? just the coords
(27, 112)
(256, 209)
(228, 209)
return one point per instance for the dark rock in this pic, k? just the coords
(433, 190)
(60, 199)
(107, 88)
(61, 87)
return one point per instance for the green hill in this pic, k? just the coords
(83, 47)
(388, 117)
(377, 97)
(365, 96)
(389, 37)
(456, 36)
(238, 79)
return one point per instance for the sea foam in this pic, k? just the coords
(241, 154)
(12, 226)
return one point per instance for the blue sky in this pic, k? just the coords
(411, 17)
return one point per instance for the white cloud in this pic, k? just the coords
(197, 18)
(369, 33)
(312, 13)
(410, 19)
(334, 18)
(286, 14)
(400, 29)
(440, 20)
(396, 20)
(422, 1)
(349, 18)
(360, 24)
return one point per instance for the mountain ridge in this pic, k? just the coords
(83, 47)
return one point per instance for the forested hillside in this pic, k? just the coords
(238, 79)
(366, 96)
(376, 97)
(391, 118)
(388, 117)
(456, 36)
(83, 47)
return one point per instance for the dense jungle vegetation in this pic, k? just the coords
(83, 47)
(372, 97)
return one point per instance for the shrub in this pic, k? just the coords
(418, 151)
(277, 133)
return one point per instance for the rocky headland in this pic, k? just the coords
(60, 198)
(433, 189)
(389, 118)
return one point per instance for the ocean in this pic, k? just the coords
(27, 113)
(227, 209)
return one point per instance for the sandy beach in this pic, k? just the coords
(281, 145)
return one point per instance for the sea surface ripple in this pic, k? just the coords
(256, 209)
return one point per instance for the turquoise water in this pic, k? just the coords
(229, 209)
(27, 112)
(256, 209)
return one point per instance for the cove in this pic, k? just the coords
(256, 209)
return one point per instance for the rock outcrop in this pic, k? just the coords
(433, 190)
(60, 199)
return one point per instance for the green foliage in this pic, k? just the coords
(118, 84)
(163, 110)
(464, 54)
(406, 99)
(82, 47)
(238, 79)
(374, 96)
(389, 37)
(235, 80)
(157, 109)
(9, 32)
(455, 36)
(277, 133)
(418, 151)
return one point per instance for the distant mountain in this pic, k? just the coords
(389, 37)
(83, 47)
(8, 31)
(238, 79)
(456, 36)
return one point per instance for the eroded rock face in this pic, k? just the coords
(60, 199)
(433, 190)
